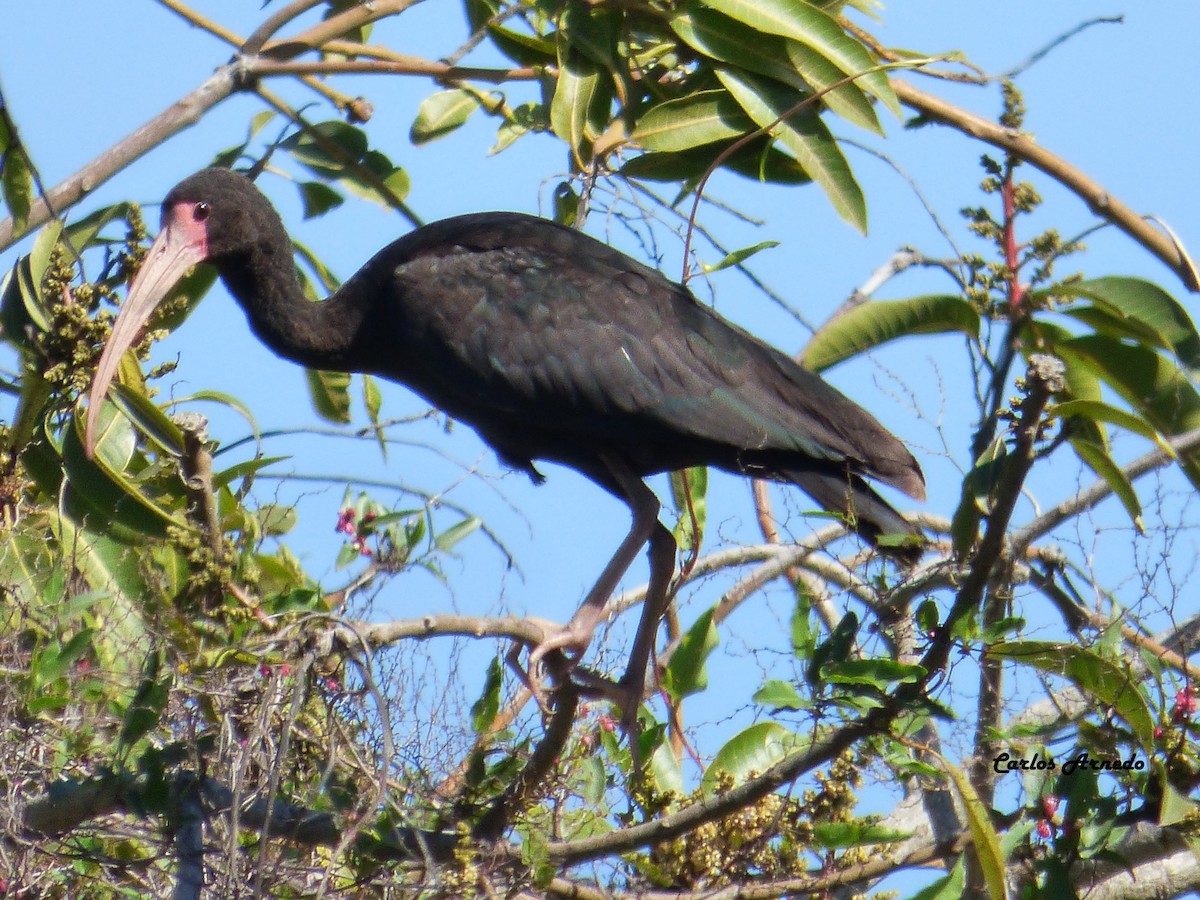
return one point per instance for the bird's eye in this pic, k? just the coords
(200, 211)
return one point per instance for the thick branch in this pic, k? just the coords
(1092, 193)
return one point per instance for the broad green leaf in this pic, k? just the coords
(318, 198)
(750, 752)
(876, 322)
(848, 100)
(330, 393)
(1144, 305)
(1092, 674)
(758, 160)
(737, 257)
(149, 419)
(1148, 381)
(686, 673)
(570, 109)
(855, 834)
(692, 121)
(836, 649)
(1099, 411)
(110, 494)
(818, 30)
(985, 842)
(82, 232)
(441, 113)
(805, 136)
(591, 28)
(877, 673)
(689, 490)
(1175, 807)
(107, 566)
(777, 694)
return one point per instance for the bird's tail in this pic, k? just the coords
(865, 511)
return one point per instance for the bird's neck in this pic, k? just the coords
(319, 335)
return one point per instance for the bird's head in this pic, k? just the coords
(213, 215)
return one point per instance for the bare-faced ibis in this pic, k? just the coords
(553, 346)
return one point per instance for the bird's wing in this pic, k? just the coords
(550, 328)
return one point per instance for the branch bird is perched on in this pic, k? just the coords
(552, 346)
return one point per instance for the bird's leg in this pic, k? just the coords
(577, 634)
(662, 566)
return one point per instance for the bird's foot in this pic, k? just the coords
(553, 658)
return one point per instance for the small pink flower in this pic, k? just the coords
(264, 670)
(1185, 704)
(1050, 805)
(331, 684)
(1045, 830)
(345, 522)
(607, 723)
(285, 670)
(1159, 731)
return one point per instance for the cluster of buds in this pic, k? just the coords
(1045, 826)
(356, 529)
(1187, 701)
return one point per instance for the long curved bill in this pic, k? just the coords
(181, 244)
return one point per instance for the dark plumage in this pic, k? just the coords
(552, 346)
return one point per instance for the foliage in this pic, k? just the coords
(184, 701)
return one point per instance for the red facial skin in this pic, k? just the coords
(181, 244)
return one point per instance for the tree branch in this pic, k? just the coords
(1098, 200)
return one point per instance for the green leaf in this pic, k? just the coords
(570, 110)
(686, 673)
(1145, 307)
(17, 182)
(1092, 674)
(109, 495)
(836, 835)
(848, 101)
(984, 840)
(689, 490)
(777, 694)
(1175, 807)
(330, 393)
(149, 419)
(871, 324)
(759, 160)
(318, 198)
(692, 121)
(786, 61)
(834, 650)
(750, 752)
(737, 257)
(485, 709)
(817, 30)
(806, 136)
(877, 673)
(373, 401)
(976, 496)
(148, 703)
(1151, 383)
(441, 113)
(455, 533)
